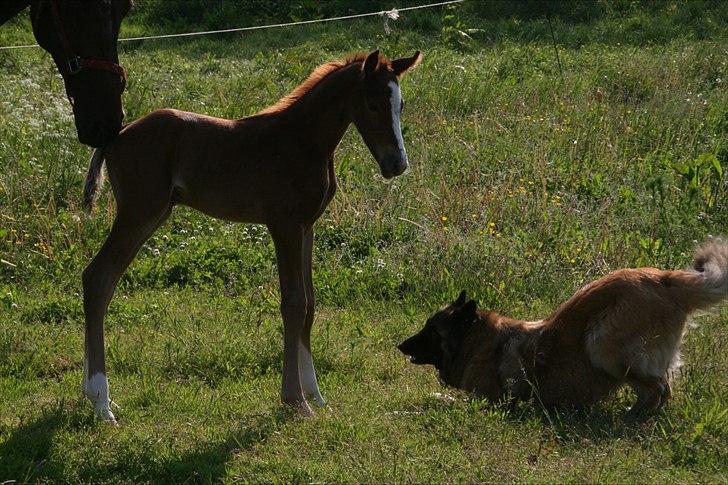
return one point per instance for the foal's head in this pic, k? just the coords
(378, 107)
(81, 36)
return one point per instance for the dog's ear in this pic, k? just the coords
(460, 301)
(468, 313)
(459, 324)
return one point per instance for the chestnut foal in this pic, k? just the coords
(275, 168)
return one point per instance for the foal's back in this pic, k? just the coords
(229, 169)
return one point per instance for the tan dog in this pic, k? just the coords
(624, 328)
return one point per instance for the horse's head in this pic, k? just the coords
(81, 36)
(378, 109)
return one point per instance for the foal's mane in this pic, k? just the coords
(316, 77)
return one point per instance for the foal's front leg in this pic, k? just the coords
(305, 361)
(288, 240)
(99, 281)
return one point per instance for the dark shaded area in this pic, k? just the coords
(26, 456)
(690, 16)
(11, 8)
(221, 14)
(566, 10)
(472, 25)
(577, 22)
(228, 13)
(207, 463)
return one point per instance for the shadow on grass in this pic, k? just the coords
(600, 423)
(25, 455)
(207, 462)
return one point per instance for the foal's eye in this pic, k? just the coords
(373, 107)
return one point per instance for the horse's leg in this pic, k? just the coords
(100, 277)
(305, 362)
(288, 239)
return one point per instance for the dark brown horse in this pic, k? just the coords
(81, 36)
(275, 168)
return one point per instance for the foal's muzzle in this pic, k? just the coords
(393, 164)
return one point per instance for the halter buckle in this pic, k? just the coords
(73, 64)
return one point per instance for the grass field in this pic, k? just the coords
(527, 181)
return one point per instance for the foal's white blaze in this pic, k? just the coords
(395, 100)
(307, 374)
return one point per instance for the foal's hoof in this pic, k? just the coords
(103, 412)
(319, 400)
(300, 407)
(106, 416)
(303, 409)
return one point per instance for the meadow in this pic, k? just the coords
(530, 176)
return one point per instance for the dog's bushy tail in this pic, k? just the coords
(94, 180)
(711, 265)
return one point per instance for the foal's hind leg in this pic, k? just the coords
(309, 383)
(100, 277)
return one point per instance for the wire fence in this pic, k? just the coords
(388, 15)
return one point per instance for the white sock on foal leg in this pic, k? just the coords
(309, 384)
(96, 388)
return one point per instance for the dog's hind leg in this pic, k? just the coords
(652, 394)
(667, 390)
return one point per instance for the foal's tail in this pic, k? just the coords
(94, 180)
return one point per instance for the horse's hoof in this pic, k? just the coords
(319, 400)
(107, 416)
(303, 409)
(300, 407)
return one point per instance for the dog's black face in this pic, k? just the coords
(442, 333)
(425, 347)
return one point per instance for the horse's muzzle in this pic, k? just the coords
(97, 134)
(392, 165)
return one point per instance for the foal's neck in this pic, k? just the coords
(323, 114)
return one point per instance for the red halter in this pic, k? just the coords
(73, 63)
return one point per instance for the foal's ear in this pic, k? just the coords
(371, 63)
(400, 66)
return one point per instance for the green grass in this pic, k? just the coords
(526, 183)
